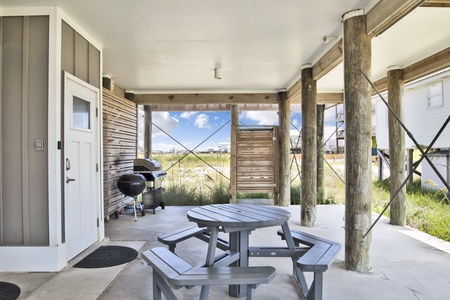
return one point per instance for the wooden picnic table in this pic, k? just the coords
(239, 220)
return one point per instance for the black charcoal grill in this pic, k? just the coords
(132, 185)
(152, 171)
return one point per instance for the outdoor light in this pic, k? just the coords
(217, 73)
(329, 38)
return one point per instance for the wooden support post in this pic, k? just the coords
(380, 165)
(309, 149)
(410, 165)
(358, 142)
(320, 152)
(397, 145)
(284, 189)
(234, 111)
(147, 131)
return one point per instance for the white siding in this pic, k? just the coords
(423, 123)
(382, 123)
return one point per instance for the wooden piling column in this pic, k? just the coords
(358, 142)
(147, 131)
(308, 209)
(284, 189)
(234, 111)
(396, 84)
(320, 152)
(410, 165)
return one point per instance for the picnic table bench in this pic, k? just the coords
(317, 259)
(173, 238)
(168, 268)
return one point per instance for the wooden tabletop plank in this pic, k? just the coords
(223, 213)
(237, 216)
(259, 212)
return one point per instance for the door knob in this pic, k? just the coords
(69, 179)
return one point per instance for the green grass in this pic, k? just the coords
(426, 210)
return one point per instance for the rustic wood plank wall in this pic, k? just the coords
(255, 164)
(119, 146)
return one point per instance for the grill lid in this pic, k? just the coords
(131, 184)
(146, 164)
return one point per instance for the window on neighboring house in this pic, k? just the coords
(435, 95)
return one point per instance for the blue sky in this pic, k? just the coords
(193, 128)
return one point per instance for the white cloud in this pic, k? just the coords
(330, 116)
(261, 117)
(328, 131)
(188, 114)
(164, 121)
(202, 121)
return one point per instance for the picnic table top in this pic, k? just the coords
(238, 217)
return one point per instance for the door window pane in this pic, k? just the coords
(81, 113)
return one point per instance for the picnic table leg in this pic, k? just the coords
(298, 274)
(239, 242)
(213, 235)
(315, 291)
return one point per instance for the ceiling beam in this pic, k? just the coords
(425, 67)
(329, 61)
(330, 98)
(295, 91)
(388, 12)
(219, 107)
(382, 16)
(151, 99)
(223, 102)
(436, 3)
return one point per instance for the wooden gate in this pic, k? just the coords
(255, 163)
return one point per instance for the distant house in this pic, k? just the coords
(426, 108)
(224, 147)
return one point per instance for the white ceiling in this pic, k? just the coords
(160, 46)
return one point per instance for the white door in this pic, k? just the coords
(81, 177)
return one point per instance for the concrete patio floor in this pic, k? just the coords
(407, 264)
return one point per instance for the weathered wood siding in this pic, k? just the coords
(255, 164)
(119, 146)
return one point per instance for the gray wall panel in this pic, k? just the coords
(81, 58)
(94, 66)
(12, 214)
(24, 117)
(68, 48)
(38, 129)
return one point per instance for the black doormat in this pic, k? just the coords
(9, 291)
(107, 256)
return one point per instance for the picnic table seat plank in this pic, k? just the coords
(169, 268)
(173, 238)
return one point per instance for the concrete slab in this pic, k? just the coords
(407, 264)
(79, 283)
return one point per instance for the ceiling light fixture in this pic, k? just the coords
(217, 73)
(329, 38)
